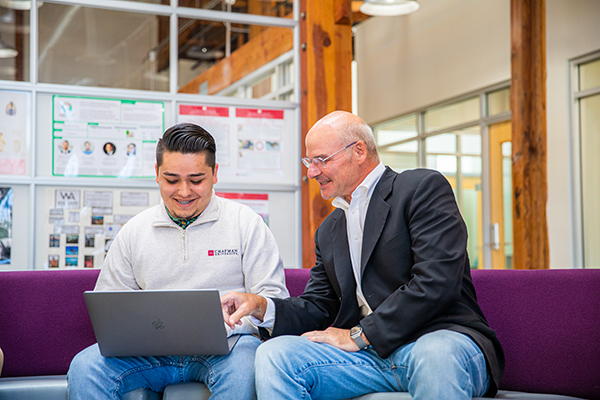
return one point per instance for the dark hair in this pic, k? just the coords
(187, 138)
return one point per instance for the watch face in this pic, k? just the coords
(355, 330)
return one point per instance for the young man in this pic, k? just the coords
(170, 246)
(390, 306)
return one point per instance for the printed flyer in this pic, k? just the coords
(13, 132)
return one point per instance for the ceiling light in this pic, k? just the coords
(389, 7)
(6, 51)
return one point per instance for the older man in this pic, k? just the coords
(390, 306)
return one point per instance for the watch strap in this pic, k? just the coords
(357, 337)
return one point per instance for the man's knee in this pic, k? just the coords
(84, 360)
(269, 351)
(443, 351)
(279, 351)
(440, 345)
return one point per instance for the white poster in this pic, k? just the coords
(13, 130)
(105, 137)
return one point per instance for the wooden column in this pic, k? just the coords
(528, 109)
(325, 62)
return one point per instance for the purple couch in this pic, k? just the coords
(547, 321)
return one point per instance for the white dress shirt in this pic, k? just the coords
(355, 211)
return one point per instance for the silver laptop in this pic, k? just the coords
(158, 323)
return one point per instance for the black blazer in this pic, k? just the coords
(415, 272)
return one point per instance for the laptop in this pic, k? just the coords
(159, 323)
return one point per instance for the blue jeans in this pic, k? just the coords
(92, 376)
(439, 365)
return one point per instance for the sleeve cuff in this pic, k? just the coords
(269, 319)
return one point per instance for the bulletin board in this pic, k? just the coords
(101, 137)
(81, 223)
(75, 229)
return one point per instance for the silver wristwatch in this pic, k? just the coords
(355, 334)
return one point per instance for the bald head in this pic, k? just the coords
(346, 128)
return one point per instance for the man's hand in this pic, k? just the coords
(339, 338)
(237, 305)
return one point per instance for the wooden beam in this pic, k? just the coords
(357, 16)
(265, 47)
(20, 46)
(528, 109)
(325, 59)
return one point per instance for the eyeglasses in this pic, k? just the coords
(319, 162)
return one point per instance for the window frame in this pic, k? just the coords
(576, 196)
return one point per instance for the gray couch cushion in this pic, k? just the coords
(49, 387)
(508, 395)
(503, 394)
(187, 391)
(141, 394)
(55, 388)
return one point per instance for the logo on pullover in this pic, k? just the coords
(223, 252)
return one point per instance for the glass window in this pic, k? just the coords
(14, 43)
(272, 8)
(445, 164)
(444, 143)
(277, 83)
(498, 102)
(408, 147)
(470, 165)
(470, 143)
(228, 59)
(471, 206)
(75, 48)
(263, 87)
(454, 114)
(589, 75)
(590, 176)
(401, 157)
(396, 130)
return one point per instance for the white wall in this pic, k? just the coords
(445, 49)
(452, 47)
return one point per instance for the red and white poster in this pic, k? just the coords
(259, 202)
(250, 141)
